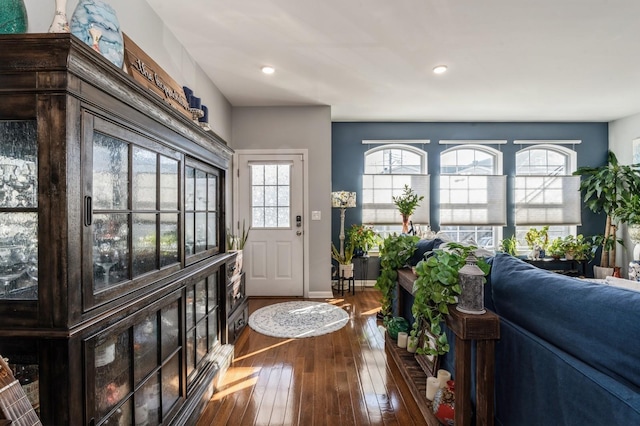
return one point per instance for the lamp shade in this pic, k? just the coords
(343, 199)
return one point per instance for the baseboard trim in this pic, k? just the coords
(320, 295)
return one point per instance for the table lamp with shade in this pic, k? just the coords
(343, 200)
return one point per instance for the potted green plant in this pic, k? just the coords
(557, 248)
(435, 288)
(629, 213)
(606, 189)
(395, 252)
(345, 261)
(509, 245)
(537, 240)
(581, 247)
(236, 243)
(363, 238)
(407, 204)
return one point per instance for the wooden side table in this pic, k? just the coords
(484, 330)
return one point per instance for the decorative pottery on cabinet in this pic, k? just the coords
(13, 17)
(60, 23)
(95, 23)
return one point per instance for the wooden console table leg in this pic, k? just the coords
(485, 367)
(463, 382)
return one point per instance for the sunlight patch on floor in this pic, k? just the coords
(236, 379)
(268, 348)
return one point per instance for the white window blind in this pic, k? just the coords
(473, 200)
(377, 202)
(547, 200)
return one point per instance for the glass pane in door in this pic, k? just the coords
(18, 229)
(18, 255)
(144, 174)
(168, 184)
(18, 164)
(145, 347)
(112, 371)
(110, 173)
(168, 239)
(144, 243)
(110, 249)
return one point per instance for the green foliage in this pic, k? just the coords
(435, 288)
(609, 187)
(408, 201)
(362, 237)
(395, 252)
(628, 210)
(537, 237)
(581, 247)
(510, 245)
(557, 248)
(237, 242)
(344, 259)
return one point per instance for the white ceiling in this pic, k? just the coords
(371, 60)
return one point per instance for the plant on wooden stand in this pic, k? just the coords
(435, 288)
(606, 189)
(407, 204)
(395, 252)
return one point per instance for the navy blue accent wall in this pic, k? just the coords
(347, 162)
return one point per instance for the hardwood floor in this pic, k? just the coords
(341, 378)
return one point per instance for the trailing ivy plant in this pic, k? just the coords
(395, 252)
(435, 288)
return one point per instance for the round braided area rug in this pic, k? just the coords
(298, 319)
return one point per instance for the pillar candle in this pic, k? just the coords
(443, 377)
(402, 339)
(433, 384)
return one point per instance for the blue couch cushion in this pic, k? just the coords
(423, 247)
(593, 322)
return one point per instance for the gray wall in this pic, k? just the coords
(139, 21)
(622, 132)
(298, 128)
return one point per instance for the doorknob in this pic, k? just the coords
(298, 233)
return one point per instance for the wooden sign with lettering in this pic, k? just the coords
(147, 72)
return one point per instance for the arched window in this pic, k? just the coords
(546, 193)
(387, 169)
(472, 194)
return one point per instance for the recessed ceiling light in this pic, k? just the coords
(268, 70)
(440, 69)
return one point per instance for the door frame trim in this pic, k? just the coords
(305, 199)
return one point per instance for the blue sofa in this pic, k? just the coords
(569, 349)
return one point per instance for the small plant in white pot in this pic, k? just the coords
(345, 261)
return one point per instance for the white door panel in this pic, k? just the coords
(271, 199)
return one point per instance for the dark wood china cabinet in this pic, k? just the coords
(113, 272)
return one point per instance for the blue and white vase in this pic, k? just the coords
(95, 23)
(13, 17)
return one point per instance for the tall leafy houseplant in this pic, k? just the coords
(435, 288)
(407, 204)
(606, 189)
(395, 252)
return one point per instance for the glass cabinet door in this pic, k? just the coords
(135, 370)
(202, 210)
(18, 210)
(202, 320)
(134, 209)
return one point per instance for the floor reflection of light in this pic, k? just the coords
(263, 350)
(236, 379)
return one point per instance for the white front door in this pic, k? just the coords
(271, 190)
